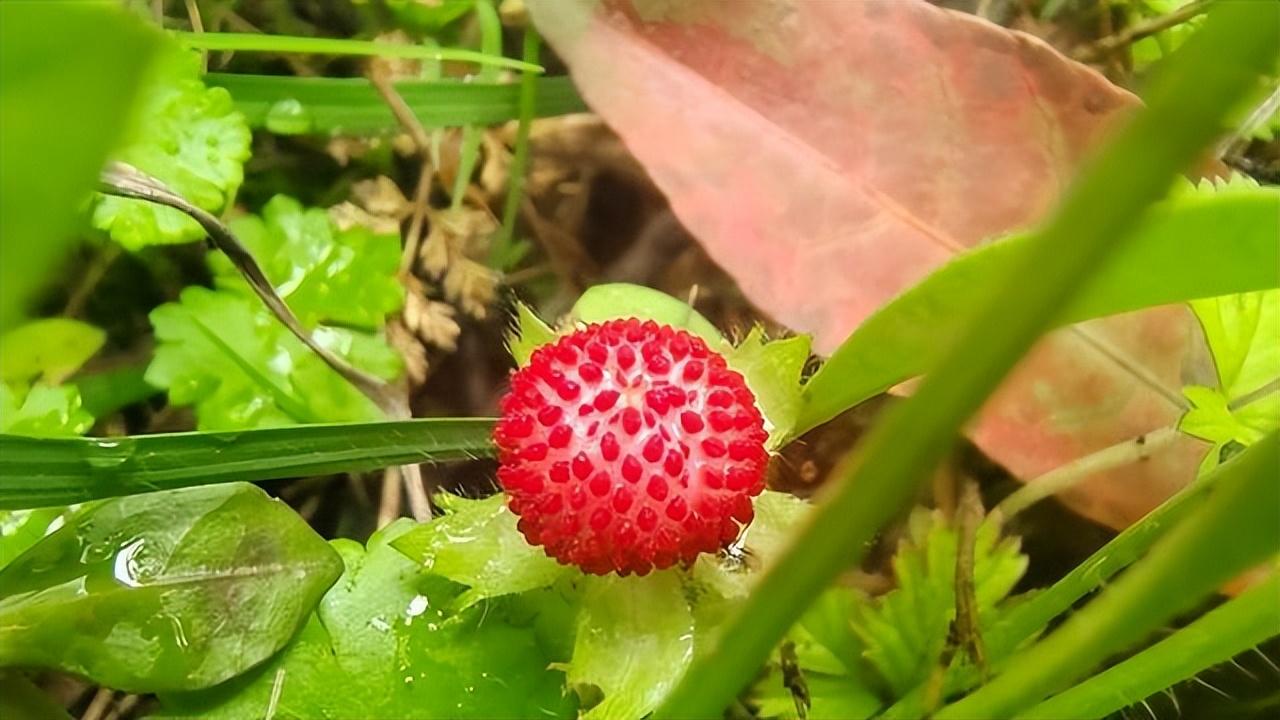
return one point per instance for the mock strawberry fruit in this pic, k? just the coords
(628, 446)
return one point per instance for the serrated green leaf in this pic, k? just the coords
(624, 300)
(477, 544)
(772, 370)
(164, 591)
(634, 641)
(51, 349)
(1242, 332)
(382, 644)
(190, 137)
(42, 411)
(1211, 418)
(326, 275)
(906, 629)
(527, 333)
(227, 355)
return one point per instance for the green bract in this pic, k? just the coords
(190, 137)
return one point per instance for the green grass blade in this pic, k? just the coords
(1201, 245)
(37, 472)
(257, 42)
(353, 106)
(1214, 70)
(529, 98)
(1222, 633)
(1233, 529)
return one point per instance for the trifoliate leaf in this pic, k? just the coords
(241, 368)
(51, 349)
(527, 333)
(190, 137)
(906, 629)
(42, 410)
(624, 300)
(1211, 418)
(634, 642)
(477, 544)
(325, 275)
(383, 645)
(772, 371)
(1242, 332)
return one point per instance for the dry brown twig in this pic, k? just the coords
(1105, 46)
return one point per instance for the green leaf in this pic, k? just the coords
(188, 136)
(353, 106)
(50, 349)
(173, 590)
(64, 99)
(477, 544)
(1212, 418)
(772, 370)
(326, 275)
(227, 355)
(1242, 332)
(36, 472)
(382, 644)
(906, 629)
(528, 332)
(634, 641)
(42, 411)
(21, 529)
(1234, 627)
(624, 300)
(1198, 243)
(20, 698)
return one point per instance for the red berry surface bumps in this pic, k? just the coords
(628, 446)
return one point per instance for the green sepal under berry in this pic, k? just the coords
(188, 136)
(772, 368)
(476, 544)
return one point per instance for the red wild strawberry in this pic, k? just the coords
(628, 446)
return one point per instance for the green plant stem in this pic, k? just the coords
(502, 242)
(255, 42)
(1187, 105)
(352, 106)
(1222, 633)
(39, 472)
(491, 44)
(1230, 531)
